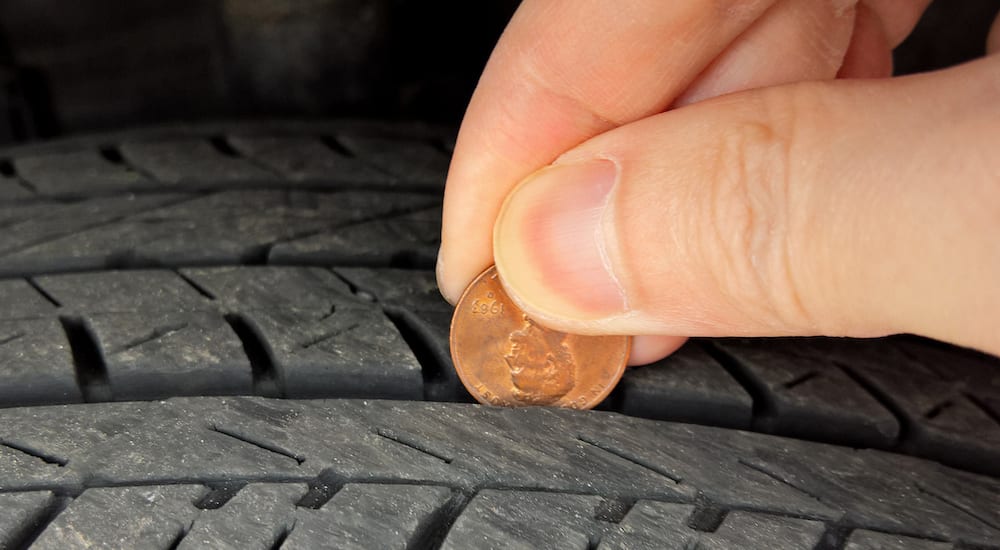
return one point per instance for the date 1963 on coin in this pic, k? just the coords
(505, 358)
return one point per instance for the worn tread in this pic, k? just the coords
(466, 475)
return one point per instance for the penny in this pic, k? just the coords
(505, 358)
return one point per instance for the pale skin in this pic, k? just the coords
(729, 167)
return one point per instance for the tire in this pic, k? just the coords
(230, 335)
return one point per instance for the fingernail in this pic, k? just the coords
(551, 243)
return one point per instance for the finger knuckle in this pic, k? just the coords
(748, 212)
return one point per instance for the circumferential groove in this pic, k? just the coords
(88, 362)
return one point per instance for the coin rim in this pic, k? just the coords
(471, 388)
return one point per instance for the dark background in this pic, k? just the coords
(85, 65)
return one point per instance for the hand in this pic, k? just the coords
(851, 208)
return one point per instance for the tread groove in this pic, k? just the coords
(329, 335)
(953, 505)
(222, 146)
(834, 537)
(706, 517)
(435, 534)
(48, 458)
(194, 284)
(799, 380)
(936, 410)
(88, 363)
(11, 338)
(267, 380)
(763, 405)
(628, 457)
(218, 495)
(431, 369)
(266, 446)
(283, 536)
(321, 490)
(983, 407)
(152, 336)
(778, 478)
(52, 511)
(112, 154)
(905, 426)
(333, 144)
(44, 293)
(407, 442)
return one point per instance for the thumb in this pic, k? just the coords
(853, 208)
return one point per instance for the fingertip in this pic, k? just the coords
(648, 349)
(446, 289)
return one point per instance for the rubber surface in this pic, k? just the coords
(294, 261)
(250, 472)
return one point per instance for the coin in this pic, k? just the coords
(505, 358)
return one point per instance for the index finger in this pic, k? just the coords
(565, 71)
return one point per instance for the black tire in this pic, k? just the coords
(195, 322)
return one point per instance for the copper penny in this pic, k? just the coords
(505, 358)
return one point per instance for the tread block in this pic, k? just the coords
(23, 468)
(34, 237)
(370, 516)
(519, 519)
(687, 386)
(37, 364)
(351, 352)
(13, 188)
(191, 161)
(275, 288)
(307, 159)
(256, 517)
(759, 531)
(979, 372)
(666, 525)
(760, 482)
(403, 288)
(19, 513)
(407, 240)
(21, 301)
(725, 478)
(944, 423)
(863, 539)
(134, 443)
(156, 355)
(866, 484)
(651, 524)
(508, 449)
(78, 173)
(123, 291)
(412, 161)
(810, 397)
(144, 517)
